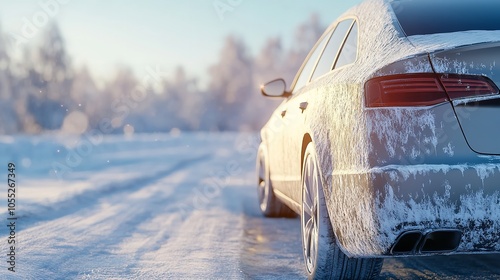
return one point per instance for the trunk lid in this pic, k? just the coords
(479, 116)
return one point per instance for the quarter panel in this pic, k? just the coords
(402, 136)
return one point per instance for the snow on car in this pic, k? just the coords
(387, 142)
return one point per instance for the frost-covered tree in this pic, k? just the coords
(39, 88)
(275, 62)
(87, 98)
(184, 100)
(117, 99)
(9, 121)
(235, 79)
(231, 84)
(49, 79)
(54, 64)
(306, 36)
(269, 63)
(175, 106)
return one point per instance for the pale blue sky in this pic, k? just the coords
(163, 33)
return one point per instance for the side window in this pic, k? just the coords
(327, 59)
(349, 51)
(303, 79)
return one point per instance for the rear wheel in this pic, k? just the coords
(323, 258)
(270, 205)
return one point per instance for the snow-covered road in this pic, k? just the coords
(161, 207)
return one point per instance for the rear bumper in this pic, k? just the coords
(385, 202)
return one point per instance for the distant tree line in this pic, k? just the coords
(42, 91)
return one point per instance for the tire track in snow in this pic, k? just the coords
(84, 244)
(134, 229)
(90, 197)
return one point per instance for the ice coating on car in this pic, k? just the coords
(348, 147)
(468, 205)
(476, 213)
(449, 150)
(484, 171)
(445, 41)
(455, 66)
(393, 169)
(397, 126)
(366, 220)
(382, 44)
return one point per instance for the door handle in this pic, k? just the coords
(303, 106)
(283, 113)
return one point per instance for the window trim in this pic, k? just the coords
(311, 52)
(331, 29)
(324, 49)
(342, 48)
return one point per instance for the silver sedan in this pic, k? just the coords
(388, 142)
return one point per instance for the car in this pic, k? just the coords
(387, 143)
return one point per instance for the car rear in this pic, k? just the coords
(434, 127)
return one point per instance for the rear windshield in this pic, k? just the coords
(421, 17)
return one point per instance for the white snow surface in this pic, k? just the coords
(146, 207)
(163, 207)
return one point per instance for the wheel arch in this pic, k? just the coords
(306, 139)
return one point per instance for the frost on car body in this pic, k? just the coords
(363, 214)
(420, 166)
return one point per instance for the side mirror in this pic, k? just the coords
(275, 88)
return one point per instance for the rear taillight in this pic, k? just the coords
(404, 90)
(460, 86)
(424, 89)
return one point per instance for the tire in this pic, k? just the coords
(269, 204)
(323, 257)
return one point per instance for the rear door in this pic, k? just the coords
(285, 118)
(298, 105)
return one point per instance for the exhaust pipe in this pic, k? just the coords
(431, 242)
(441, 241)
(407, 242)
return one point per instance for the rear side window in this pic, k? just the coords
(327, 59)
(349, 51)
(444, 16)
(306, 71)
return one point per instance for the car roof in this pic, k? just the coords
(382, 40)
(425, 17)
